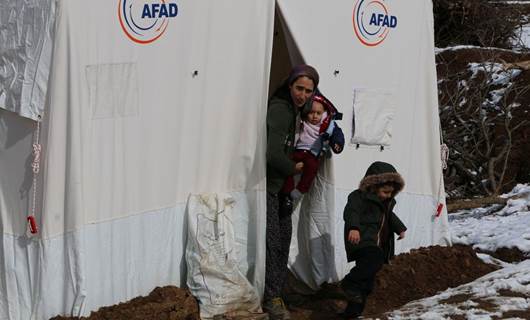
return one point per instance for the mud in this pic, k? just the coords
(509, 255)
(167, 303)
(421, 273)
(411, 276)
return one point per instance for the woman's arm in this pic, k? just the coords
(278, 126)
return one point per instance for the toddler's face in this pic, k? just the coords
(315, 115)
(385, 192)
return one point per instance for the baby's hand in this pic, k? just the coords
(354, 236)
(299, 167)
(401, 235)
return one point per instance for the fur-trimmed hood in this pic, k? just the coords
(381, 173)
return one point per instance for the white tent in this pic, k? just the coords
(376, 62)
(147, 106)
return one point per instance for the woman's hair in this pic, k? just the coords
(302, 70)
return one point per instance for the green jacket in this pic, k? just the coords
(281, 126)
(365, 212)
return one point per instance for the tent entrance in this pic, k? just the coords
(285, 53)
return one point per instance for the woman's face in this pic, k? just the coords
(301, 90)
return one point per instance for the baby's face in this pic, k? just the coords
(315, 115)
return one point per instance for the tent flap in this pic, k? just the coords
(25, 55)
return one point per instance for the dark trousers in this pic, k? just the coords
(278, 239)
(368, 261)
(308, 174)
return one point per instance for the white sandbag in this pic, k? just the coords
(214, 277)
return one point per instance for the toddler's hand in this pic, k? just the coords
(354, 236)
(299, 167)
(401, 235)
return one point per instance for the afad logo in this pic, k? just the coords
(372, 22)
(145, 21)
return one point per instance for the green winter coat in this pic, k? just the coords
(281, 127)
(365, 212)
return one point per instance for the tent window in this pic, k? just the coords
(113, 90)
(373, 113)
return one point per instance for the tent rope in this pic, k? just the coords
(444, 157)
(444, 152)
(35, 165)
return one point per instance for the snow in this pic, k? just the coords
(522, 36)
(489, 297)
(525, 35)
(513, 1)
(497, 73)
(485, 298)
(462, 84)
(460, 47)
(518, 190)
(502, 229)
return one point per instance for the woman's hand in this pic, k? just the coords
(401, 235)
(299, 167)
(354, 236)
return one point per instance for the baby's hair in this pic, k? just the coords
(304, 115)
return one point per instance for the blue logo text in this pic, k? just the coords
(383, 20)
(159, 10)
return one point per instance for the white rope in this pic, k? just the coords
(33, 229)
(444, 153)
(35, 165)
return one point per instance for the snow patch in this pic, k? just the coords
(498, 290)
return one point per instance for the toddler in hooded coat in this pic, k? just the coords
(369, 225)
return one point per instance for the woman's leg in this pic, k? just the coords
(272, 245)
(278, 239)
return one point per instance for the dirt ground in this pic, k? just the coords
(167, 303)
(510, 255)
(418, 274)
(411, 276)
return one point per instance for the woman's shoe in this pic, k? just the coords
(276, 309)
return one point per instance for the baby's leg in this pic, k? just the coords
(288, 186)
(308, 175)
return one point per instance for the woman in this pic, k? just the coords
(283, 109)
